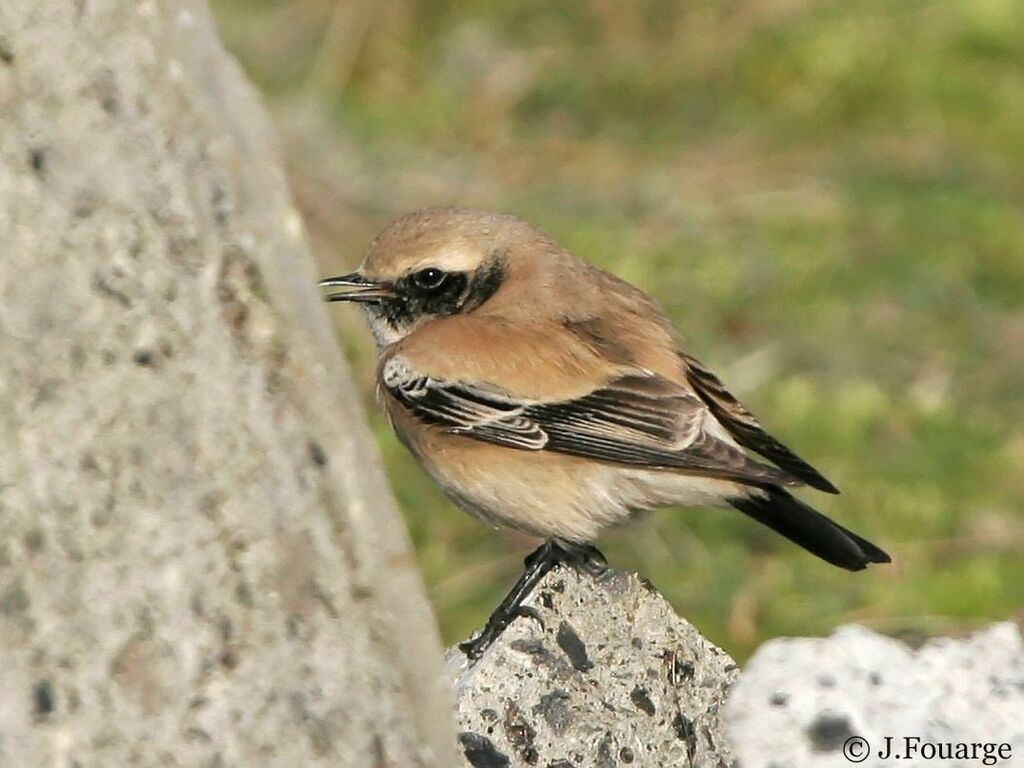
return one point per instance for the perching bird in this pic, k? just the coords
(547, 395)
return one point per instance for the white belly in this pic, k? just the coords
(576, 500)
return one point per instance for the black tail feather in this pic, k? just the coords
(809, 528)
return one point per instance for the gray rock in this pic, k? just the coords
(609, 676)
(200, 563)
(799, 701)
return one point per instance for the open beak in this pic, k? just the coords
(357, 288)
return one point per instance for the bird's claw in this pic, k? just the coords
(529, 612)
(475, 647)
(551, 553)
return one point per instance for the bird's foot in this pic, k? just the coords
(538, 563)
(585, 558)
(475, 647)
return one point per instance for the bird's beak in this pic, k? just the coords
(357, 288)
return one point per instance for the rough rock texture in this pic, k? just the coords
(800, 700)
(610, 676)
(200, 564)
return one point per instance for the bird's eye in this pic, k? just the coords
(429, 278)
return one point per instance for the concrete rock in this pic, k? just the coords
(609, 676)
(800, 701)
(200, 563)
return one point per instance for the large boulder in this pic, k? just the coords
(200, 562)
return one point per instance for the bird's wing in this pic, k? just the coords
(745, 428)
(639, 419)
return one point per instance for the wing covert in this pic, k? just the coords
(638, 419)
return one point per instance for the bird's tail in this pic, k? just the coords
(809, 528)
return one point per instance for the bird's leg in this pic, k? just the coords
(537, 565)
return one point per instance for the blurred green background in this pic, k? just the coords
(826, 197)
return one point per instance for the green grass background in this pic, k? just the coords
(826, 197)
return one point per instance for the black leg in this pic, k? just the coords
(537, 565)
(585, 557)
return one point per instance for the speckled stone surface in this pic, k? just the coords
(801, 701)
(200, 562)
(609, 676)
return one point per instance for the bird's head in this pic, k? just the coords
(431, 264)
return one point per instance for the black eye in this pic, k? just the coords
(430, 278)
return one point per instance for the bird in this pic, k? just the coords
(547, 395)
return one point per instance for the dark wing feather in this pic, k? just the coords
(465, 410)
(743, 426)
(640, 420)
(810, 529)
